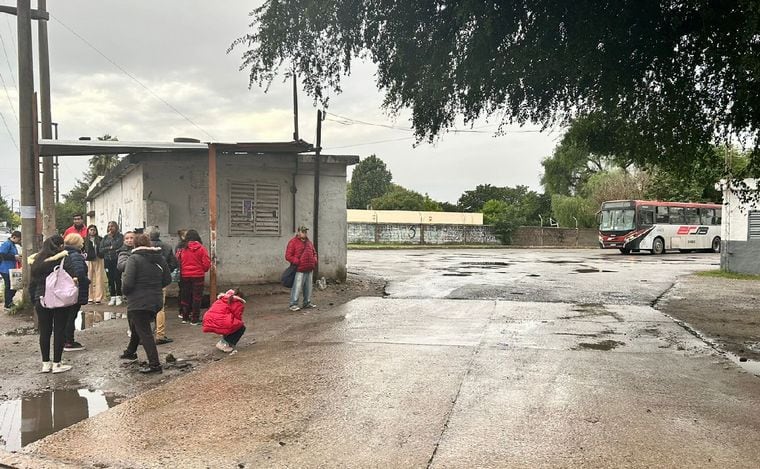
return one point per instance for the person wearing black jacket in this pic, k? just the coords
(95, 265)
(168, 253)
(73, 244)
(145, 275)
(109, 249)
(52, 321)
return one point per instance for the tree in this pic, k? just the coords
(369, 180)
(667, 78)
(473, 201)
(75, 201)
(400, 198)
(10, 218)
(568, 209)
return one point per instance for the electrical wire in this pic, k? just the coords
(13, 139)
(123, 70)
(8, 61)
(7, 95)
(370, 143)
(350, 121)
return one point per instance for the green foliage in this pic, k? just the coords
(75, 201)
(529, 204)
(507, 223)
(667, 79)
(12, 220)
(566, 207)
(493, 211)
(369, 180)
(616, 184)
(399, 198)
(430, 205)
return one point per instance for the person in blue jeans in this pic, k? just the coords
(301, 253)
(9, 258)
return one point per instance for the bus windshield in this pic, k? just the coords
(617, 220)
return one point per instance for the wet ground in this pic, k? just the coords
(473, 359)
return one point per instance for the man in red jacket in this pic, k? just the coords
(301, 253)
(78, 226)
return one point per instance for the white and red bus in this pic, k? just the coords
(646, 225)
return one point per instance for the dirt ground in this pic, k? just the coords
(99, 368)
(724, 311)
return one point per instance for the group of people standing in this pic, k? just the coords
(138, 268)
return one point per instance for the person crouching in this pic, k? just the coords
(225, 317)
(145, 275)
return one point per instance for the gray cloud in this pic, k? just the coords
(178, 50)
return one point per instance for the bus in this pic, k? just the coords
(646, 225)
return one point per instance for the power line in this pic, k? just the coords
(123, 70)
(371, 143)
(8, 61)
(13, 139)
(350, 121)
(7, 95)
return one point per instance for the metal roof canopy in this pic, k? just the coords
(49, 147)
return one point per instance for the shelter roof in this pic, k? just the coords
(90, 147)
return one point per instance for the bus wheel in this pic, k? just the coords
(716, 244)
(658, 246)
(625, 251)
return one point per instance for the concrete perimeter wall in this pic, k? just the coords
(398, 233)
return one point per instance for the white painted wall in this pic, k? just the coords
(122, 202)
(735, 223)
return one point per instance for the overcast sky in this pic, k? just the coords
(177, 50)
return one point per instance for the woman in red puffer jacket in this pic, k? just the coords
(225, 317)
(194, 262)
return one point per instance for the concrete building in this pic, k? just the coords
(740, 229)
(246, 200)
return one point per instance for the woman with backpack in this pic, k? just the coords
(52, 321)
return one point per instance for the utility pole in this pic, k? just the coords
(48, 196)
(26, 132)
(317, 161)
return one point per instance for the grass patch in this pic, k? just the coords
(727, 275)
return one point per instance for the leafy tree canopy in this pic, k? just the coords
(11, 219)
(369, 180)
(400, 198)
(667, 78)
(75, 200)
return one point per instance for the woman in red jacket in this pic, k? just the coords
(225, 317)
(301, 253)
(194, 262)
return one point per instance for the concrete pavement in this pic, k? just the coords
(443, 383)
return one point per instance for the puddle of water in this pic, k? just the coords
(458, 274)
(25, 420)
(750, 366)
(485, 264)
(561, 262)
(603, 345)
(593, 271)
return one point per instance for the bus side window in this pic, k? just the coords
(646, 216)
(662, 215)
(718, 216)
(707, 215)
(676, 216)
(692, 216)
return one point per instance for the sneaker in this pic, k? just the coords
(164, 340)
(294, 308)
(112, 301)
(98, 302)
(309, 306)
(58, 368)
(151, 369)
(126, 355)
(47, 367)
(224, 346)
(197, 322)
(129, 333)
(185, 321)
(90, 302)
(73, 347)
(118, 301)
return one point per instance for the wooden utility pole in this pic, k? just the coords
(48, 176)
(26, 132)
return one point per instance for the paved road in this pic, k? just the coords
(578, 370)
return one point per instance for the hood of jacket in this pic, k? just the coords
(152, 254)
(194, 245)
